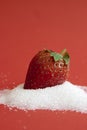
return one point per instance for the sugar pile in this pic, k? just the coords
(61, 97)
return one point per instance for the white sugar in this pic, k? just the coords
(61, 97)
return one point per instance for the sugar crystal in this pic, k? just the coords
(60, 97)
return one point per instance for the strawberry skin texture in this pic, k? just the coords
(44, 71)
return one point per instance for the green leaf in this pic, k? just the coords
(66, 58)
(56, 56)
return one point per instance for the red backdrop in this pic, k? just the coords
(27, 27)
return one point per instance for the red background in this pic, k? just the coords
(27, 27)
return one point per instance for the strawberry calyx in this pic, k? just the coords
(66, 56)
(58, 56)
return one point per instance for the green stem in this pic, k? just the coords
(63, 52)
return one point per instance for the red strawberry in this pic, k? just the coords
(47, 69)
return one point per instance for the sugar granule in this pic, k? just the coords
(60, 97)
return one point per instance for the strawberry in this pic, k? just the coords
(46, 69)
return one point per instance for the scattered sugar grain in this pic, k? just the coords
(60, 97)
